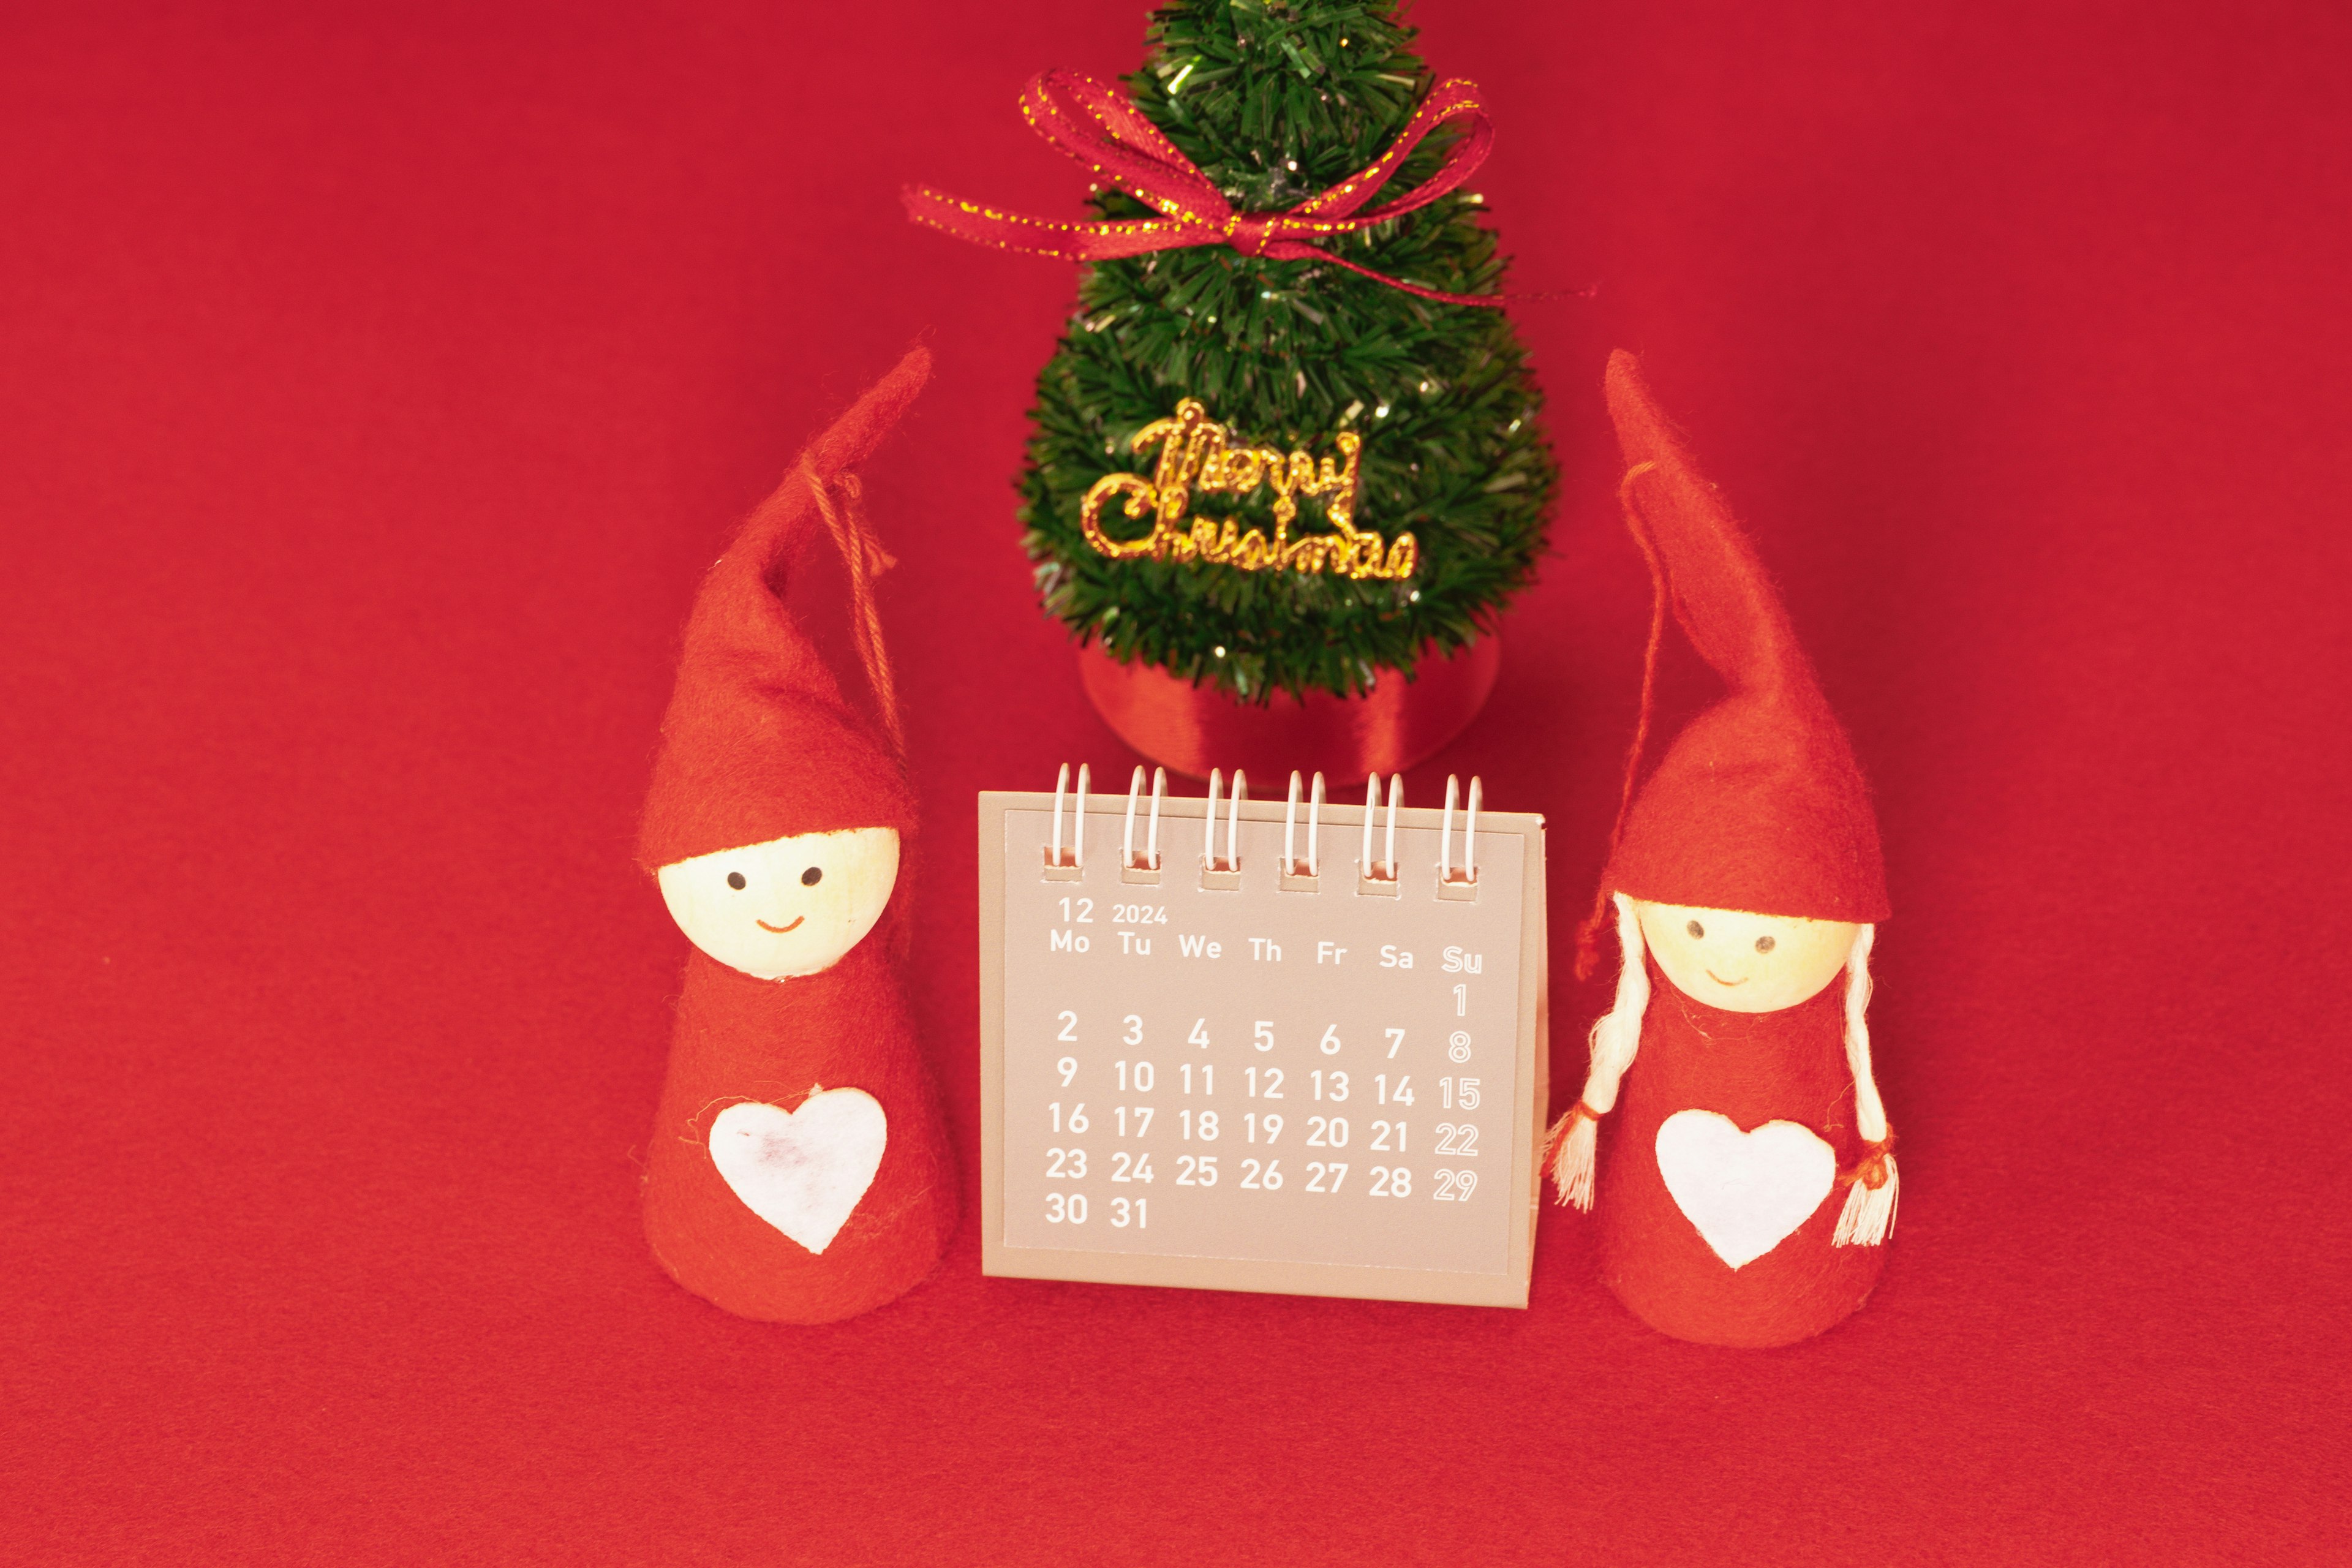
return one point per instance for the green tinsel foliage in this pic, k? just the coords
(1275, 100)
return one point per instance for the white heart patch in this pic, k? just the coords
(804, 1171)
(1744, 1191)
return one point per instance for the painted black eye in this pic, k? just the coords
(735, 881)
(1765, 944)
(812, 877)
(1698, 931)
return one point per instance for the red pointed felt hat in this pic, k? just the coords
(759, 742)
(1758, 804)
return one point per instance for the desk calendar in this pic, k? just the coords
(1285, 1045)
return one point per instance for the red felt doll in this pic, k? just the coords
(798, 1171)
(1747, 1185)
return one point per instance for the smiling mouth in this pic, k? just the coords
(1711, 975)
(778, 930)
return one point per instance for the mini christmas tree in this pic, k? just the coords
(1331, 405)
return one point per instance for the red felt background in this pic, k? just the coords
(372, 394)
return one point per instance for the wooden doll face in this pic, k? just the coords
(788, 907)
(1743, 962)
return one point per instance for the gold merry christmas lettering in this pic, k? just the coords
(1196, 453)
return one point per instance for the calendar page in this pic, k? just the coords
(1231, 1073)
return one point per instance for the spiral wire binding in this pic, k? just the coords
(1290, 861)
(1070, 868)
(1381, 877)
(1150, 861)
(1209, 824)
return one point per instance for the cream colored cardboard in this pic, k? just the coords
(1398, 1036)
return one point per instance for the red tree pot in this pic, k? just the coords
(1191, 729)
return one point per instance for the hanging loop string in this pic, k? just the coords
(863, 555)
(1588, 935)
(1105, 132)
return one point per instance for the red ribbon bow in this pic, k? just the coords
(1124, 147)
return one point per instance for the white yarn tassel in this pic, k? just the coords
(1868, 1217)
(1572, 1167)
(1616, 1035)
